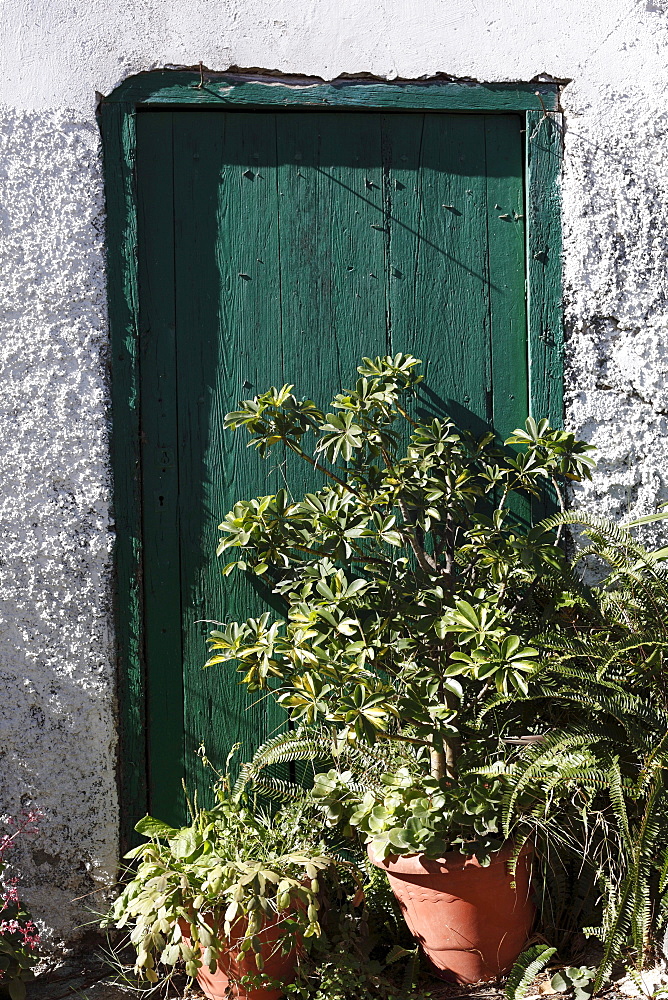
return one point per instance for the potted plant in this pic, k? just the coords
(19, 936)
(412, 581)
(604, 680)
(233, 896)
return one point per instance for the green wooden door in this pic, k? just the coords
(281, 247)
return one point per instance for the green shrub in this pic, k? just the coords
(232, 870)
(412, 585)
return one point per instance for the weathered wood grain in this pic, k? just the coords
(159, 461)
(332, 255)
(301, 241)
(176, 87)
(228, 337)
(543, 147)
(438, 267)
(118, 130)
(543, 151)
(507, 272)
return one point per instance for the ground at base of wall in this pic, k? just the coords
(87, 980)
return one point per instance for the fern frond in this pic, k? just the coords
(554, 746)
(526, 968)
(284, 748)
(278, 789)
(627, 912)
(617, 798)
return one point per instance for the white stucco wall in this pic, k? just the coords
(57, 742)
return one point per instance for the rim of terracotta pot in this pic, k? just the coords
(453, 861)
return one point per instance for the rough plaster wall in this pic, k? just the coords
(56, 719)
(615, 252)
(56, 711)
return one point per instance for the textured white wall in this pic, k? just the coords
(56, 694)
(57, 743)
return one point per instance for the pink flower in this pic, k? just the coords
(11, 892)
(30, 934)
(28, 931)
(23, 928)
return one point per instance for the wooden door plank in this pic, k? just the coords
(118, 123)
(118, 120)
(228, 334)
(543, 159)
(507, 275)
(160, 514)
(302, 242)
(169, 87)
(438, 281)
(331, 248)
(544, 153)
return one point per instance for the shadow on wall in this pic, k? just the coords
(57, 754)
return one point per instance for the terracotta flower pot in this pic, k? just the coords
(224, 983)
(470, 921)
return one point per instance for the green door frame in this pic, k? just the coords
(171, 89)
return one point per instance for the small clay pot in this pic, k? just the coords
(472, 922)
(223, 984)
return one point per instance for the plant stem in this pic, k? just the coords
(558, 491)
(354, 557)
(503, 499)
(425, 561)
(451, 755)
(438, 763)
(316, 465)
(403, 413)
(402, 739)
(443, 763)
(562, 505)
(449, 547)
